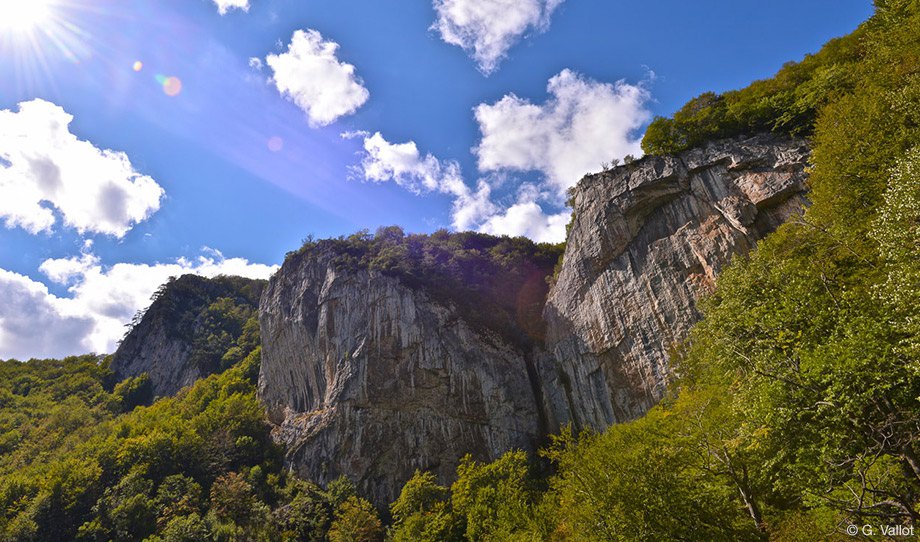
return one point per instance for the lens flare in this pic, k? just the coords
(172, 86)
(275, 144)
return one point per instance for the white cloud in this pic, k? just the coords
(223, 6)
(45, 167)
(33, 323)
(583, 124)
(405, 165)
(527, 218)
(486, 29)
(472, 207)
(310, 75)
(101, 300)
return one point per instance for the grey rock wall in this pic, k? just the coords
(367, 377)
(647, 240)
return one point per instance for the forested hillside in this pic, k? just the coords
(199, 466)
(193, 327)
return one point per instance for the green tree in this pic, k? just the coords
(133, 392)
(422, 512)
(356, 520)
(650, 479)
(191, 528)
(496, 499)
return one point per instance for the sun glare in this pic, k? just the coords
(23, 15)
(35, 33)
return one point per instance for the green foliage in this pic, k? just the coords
(787, 103)
(308, 509)
(356, 520)
(236, 513)
(198, 466)
(218, 317)
(897, 231)
(418, 496)
(190, 528)
(49, 405)
(488, 501)
(658, 478)
(227, 330)
(498, 283)
(133, 392)
(496, 499)
(422, 513)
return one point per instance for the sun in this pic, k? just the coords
(24, 16)
(34, 34)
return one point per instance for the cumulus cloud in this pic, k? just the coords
(44, 167)
(310, 75)
(34, 323)
(527, 218)
(405, 165)
(583, 124)
(486, 29)
(472, 209)
(101, 300)
(223, 6)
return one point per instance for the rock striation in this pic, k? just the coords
(171, 341)
(365, 375)
(647, 240)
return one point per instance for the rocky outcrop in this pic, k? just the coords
(366, 376)
(179, 340)
(647, 239)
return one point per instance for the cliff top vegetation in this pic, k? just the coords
(497, 282)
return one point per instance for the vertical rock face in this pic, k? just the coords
(170, 343)
(367, 377)
(647, 239)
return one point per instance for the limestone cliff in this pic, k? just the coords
(368, 375)
(187, 329)
(647, 239)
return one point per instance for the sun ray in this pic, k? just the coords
(20, 16)
(33, 32)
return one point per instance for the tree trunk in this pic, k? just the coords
(907, 454)
(753, 510)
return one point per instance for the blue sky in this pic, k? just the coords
(465, 114)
